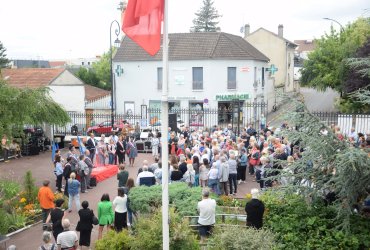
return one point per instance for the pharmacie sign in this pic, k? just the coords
(230, 97)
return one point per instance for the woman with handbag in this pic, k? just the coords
(85, 224)
(56, 216)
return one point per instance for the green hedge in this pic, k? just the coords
(184, 199)
(298, 225)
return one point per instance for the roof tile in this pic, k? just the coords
(30, 77)
(194, 46)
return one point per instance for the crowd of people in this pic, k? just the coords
(218, 160)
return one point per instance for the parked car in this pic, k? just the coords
(106, 128)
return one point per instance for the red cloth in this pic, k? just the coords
(142, 23)
(104, 172)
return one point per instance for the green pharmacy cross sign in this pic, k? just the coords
(119, 70)
(272, 69)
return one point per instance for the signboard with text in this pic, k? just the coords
(233, 96)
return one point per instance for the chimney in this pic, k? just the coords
(280, 30)
(246, 30)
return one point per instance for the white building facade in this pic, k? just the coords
(206, 71)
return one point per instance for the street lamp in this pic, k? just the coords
(341, 26)
(116, 44)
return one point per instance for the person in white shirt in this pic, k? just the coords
(67, 239)
(120, 210)
(145, 177)
(207, 215)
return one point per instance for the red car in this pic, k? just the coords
(106, 128)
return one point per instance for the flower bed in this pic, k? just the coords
(18, 204)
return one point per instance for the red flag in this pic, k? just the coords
(142, 23)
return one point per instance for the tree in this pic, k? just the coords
(326, 66)
(206, 18)
(28, 106)
(3, 60)
(328, 165)
(88, 76)
(357, 81)
(102, 70)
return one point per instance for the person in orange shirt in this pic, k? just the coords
(46, 199)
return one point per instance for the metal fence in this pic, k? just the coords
(360, 122)
(238, 114)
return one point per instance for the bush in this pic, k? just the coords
(298, 225)
(147, 234)
(237, 238)
(115, 241)
(184, 199)
(8, 190)
(30, 188)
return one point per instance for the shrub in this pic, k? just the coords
(237, 238)
(148, 233)
(298, 225)
(184, 199)
(115, 241)
(30, 188)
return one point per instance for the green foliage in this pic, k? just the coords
(183, 198)
(3, 60)
(88, 76)
(4, 224)
(239, 238)
(8, 189)
(115, 241)
(327, 163)
(206, 19)
(28, 106)
(147, 234)
(16, 221)
(29, 187)
(326, 66)
(102, 70)
(301, 225)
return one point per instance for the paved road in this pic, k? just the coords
(42, 169)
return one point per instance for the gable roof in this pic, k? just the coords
(29, 77)
(194, 46)
(290, 43)
(93, 93)
(305, 45)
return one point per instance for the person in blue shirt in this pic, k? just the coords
(58, 172)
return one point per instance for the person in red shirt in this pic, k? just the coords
(46, 199)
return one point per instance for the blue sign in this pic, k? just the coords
(119, 70)
(272, 69)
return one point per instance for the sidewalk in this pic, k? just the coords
(42, 168)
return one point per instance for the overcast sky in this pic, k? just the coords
(50, 29)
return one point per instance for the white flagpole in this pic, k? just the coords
(164, 123)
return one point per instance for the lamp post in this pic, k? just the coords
(341, 26)
(117, 43)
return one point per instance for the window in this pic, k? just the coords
(159, 78)
(231, 77)
(82, 63)
(255, 84)
(197, 78)
(263, 77)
